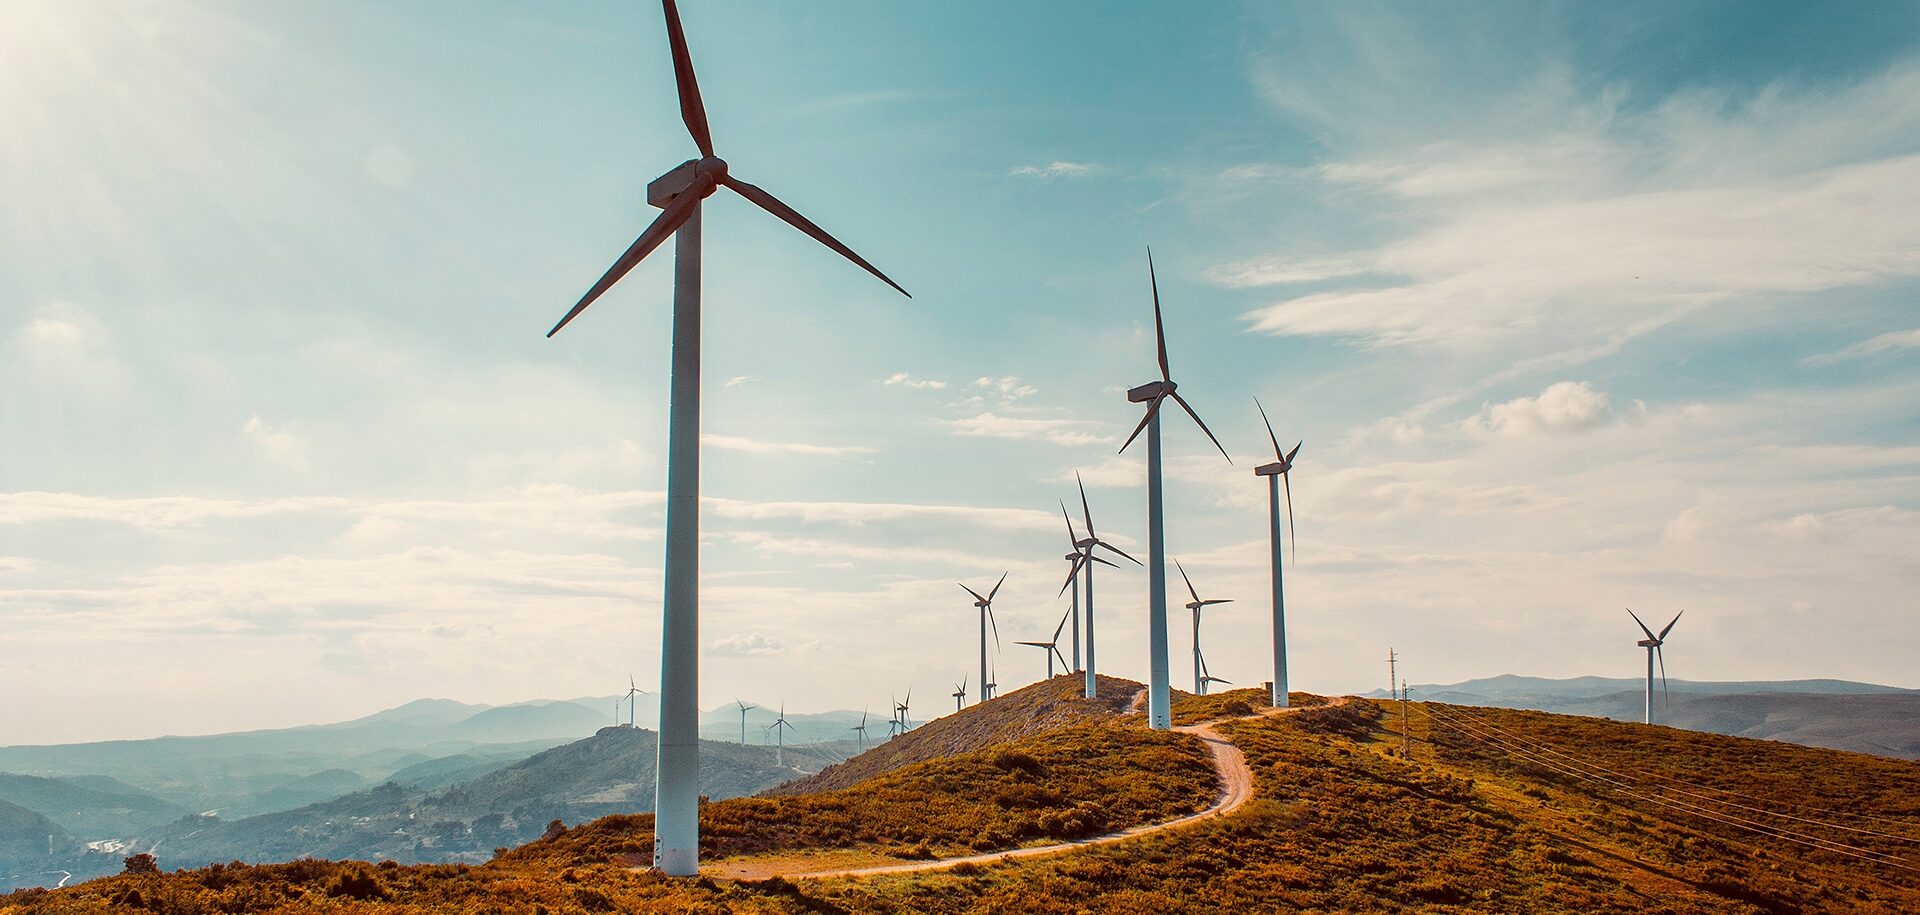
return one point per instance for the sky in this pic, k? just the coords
(1576, 307)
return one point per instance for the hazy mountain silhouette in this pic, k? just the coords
(1836, 714)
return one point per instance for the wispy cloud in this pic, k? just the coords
(746, 646)
(757, 446)
(1056, 431)
(1564, 407)
(906, 380)
(1057, 169)
(1885, 343)
(738, 380)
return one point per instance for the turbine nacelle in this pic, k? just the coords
(1274, 469)
(707, 173)
(1150, 391)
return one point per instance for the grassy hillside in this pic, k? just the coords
(1031, 709)
(1495, 811)
(90, 812)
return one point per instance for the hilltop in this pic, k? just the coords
(1837, 714)
(1494, 810)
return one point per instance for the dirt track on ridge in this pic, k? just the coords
(1229, 765)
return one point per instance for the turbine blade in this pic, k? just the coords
(1676, 618)
(996, 628)
(976, 594)
(1159, 329)
(692, 110)
(1293, 539)
(1182, 401)
(663, 225)
(1270, 436)
(1643, 626)
(773, 205)
(1083, 505)
(1061, 628)
(1073, 539)
(1116, 549)
(1078, 561)
(1221, 600)
(1062, 657)
(1152, 408)
(1296, 450)
(1666, 697)
(1093, 558)
(1189, 581)
(996, 587)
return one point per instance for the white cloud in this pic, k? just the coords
(738, 380)
(1057, 169)
(1887, 342)
(1007, 389)
(902, 379)
(1276, 271)
(756, 446)
(279, 443)
(1567, 406)
(745, 646)
(1056, 431)
(1581, 217)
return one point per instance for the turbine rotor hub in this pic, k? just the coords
(1150, 390)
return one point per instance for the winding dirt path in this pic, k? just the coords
(1229, 765)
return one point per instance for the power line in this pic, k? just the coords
(1638, 778)
(1740, 823)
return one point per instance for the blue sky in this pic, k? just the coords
(1577, 307)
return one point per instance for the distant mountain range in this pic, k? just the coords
(1837, 714)
(431, 780)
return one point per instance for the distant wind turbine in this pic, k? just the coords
(1652, 643)
(1159, 689)
(780, 745)
(861, 729)
(1276, 474)
(985, 604)
(960, 694)
(1200, 676)
(1086, 546)
(901, 708)
(679, 194)
(632, 691)
(743, 719)
(1052, 647)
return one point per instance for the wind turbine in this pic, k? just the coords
(1200, 676)
(1652, 643)
(1276, 474)
(743, 719)
(1086, 545)
(1159, 691)
(959, 694)
(780, 746)
(632, 691)
(861, 729)
(900, 708)
(679, 193)
(986, 616)
(1052, 648)
(992, 686)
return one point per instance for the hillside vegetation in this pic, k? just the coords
(1032, 709)
(1495, 811)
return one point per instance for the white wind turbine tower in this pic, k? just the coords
(1159, 689)
(1200, 676)
(985, 604)
(1074, 559)
(780, 738)
(960, 694)
(1277, 477)
(744, 707)
(1052, 648)
(1086, 546)
(1652, 643)
(679, 193)
(861, 729)
(901, 709)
